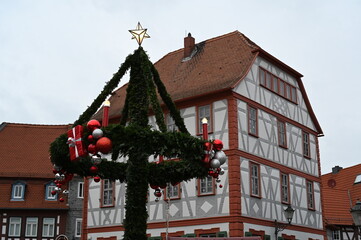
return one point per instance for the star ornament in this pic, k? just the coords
(139, 34)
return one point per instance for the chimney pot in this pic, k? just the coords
(189, 43)
(336, 169)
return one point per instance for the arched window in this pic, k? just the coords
(18, 191)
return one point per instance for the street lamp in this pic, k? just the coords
(356, 216)
(289, 211)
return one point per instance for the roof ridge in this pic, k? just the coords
(244, 38)
(4, 124)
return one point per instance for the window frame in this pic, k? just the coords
(47, 227)
(175, 197)
(283, 186)
(49, 187)
(306, 145)
(14, 227)
(14, 190)
(282, 134)
(80, 192)
(249, 120)
(310, 195)
(207, 193)
(209, 118)
(112, 196)
(284, 89)
(253, 178)
(31, 227)
(78, 223)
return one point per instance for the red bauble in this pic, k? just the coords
(215, 175)
(96, 179)
(220, 185)
(58, 185)
(104, 145)
(157, 193)
(93, 169)
(61, 199)
(93, 124)
(90, 138)
(53, 192)
(92, 148)
(217, 144)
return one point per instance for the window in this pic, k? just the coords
(336, 235)
(306, 144)
(48, 189)
(78, 223)
(80, 189)
(173, 191)
(252, 121)
(277, 85)
(48, 227)
(107, 193)
(18, 191)
(206, 186)
(14, 226)
(255, 180)
(282, 140)
(204, 112)
(31, 229)
(171, 126)
(310, 195)
(285, 188)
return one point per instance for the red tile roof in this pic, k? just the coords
(24, 149)
(340, 194)
(219, 64)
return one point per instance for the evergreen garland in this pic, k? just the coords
(138, 141)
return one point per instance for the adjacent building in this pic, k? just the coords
(28, 210)
(341, 189)
(258, 106)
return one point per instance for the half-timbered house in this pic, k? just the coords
(258, 106)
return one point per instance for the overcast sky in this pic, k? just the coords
(55, 56)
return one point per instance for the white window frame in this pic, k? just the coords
(18, 191)
(173, 191)
(206, 186)
(336, 235)
(252, 121)
(78, 227)
(80, 190)
(285, 187)
(14, 226)
(255, 177)
(31, 229)
(48, 189)
(107, 193)
(48, 227)
(310, 195)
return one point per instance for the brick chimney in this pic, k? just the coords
(189, 44)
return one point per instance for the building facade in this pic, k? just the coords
(258, 107)
(28, 210)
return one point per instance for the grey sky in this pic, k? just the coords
(55, 56)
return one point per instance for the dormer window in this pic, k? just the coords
(18, 191)
(48, 189)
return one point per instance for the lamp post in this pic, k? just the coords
(356, 216)
(289, 211)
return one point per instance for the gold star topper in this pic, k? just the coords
(139, 34)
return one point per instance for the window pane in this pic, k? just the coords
(288, 92)
(262, 74)
(268, 80)
(294, 95)
(80, 189)
(282, 88)
(275, 84)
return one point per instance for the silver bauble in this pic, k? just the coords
(96, 159)
(58, 189)
(97, 133)
(221, 172)
(221, 156)
(218, 180)
(215, 163)
(57, 176)
(66, 192)
(62, 177)
(157, 199)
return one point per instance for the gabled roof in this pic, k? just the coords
(340, 193)
(24, 149)
(217, 64)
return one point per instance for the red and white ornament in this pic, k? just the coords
(93, 124)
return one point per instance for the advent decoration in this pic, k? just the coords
(134, 138)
